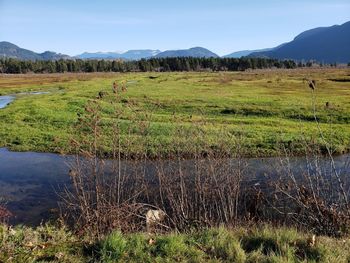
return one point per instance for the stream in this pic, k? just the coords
(30, 182)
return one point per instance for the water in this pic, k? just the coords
(5, 100)
(30, 181)
(34, 93)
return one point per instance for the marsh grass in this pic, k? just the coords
(42, 244)
(244, 102)
(264, 244)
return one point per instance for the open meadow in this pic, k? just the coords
(263, 110)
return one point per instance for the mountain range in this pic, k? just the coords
(148, 53)
(323, 44)
(129, 55)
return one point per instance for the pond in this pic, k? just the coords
(30, 182)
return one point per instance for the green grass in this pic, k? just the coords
(263, 109)
(42, 244)
(263, 244)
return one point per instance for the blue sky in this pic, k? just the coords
(223, 26)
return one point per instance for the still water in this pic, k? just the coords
(5, 100)
(30, 182)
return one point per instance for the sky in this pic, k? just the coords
(223, 26)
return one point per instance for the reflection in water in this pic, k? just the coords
(5, 100)
(30, 181)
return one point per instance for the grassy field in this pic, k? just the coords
(264, 109)
(265, 244)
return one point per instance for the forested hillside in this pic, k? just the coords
(154, 64)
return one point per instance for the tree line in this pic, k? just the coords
(14, 66)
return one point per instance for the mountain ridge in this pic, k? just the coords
(323, 44)
(9, 50)
(191, 52)
(244, 53)
(129, 55)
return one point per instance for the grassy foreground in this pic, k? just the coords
(263, 108)
(50, 244)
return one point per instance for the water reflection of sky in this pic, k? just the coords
(30, 181)
(5, 100)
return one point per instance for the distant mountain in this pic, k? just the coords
(9, 50)
(98, 55)
(129, 55)
(49, 55)
(148, 53)
(192, 52)
(138, 54)
(323, 44)
(244, 53)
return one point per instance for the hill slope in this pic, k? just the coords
(324, 44)
(9, 50)
(244, 53)
(192, 52)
